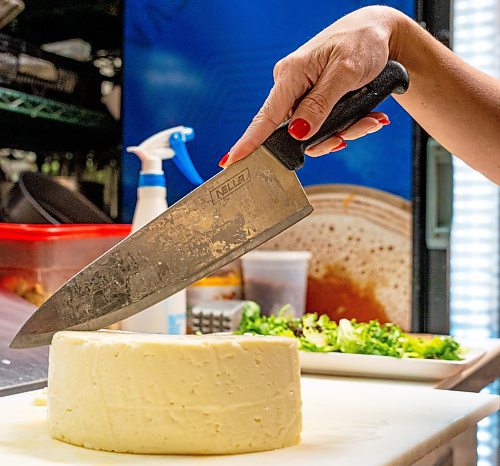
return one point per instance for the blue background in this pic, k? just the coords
(208, 64)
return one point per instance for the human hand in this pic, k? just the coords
(345, 56)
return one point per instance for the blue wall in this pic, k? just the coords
(208, 64)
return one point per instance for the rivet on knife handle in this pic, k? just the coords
(349, 109)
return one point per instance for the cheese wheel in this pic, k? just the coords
(141, 393)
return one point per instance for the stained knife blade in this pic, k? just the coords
(230, 214)
(225, 217)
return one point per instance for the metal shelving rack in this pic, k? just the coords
(43, 123)
(63, 130)
(36, 107)
(30, 122)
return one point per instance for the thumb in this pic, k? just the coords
(273, 112)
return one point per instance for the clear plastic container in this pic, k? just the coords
(274, 279)
(35, 260)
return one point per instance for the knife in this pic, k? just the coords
(235, 211)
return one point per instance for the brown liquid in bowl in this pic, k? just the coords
(340, 297)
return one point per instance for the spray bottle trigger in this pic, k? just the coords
(177, 142)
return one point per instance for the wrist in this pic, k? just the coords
(396, 26)
(403, 39)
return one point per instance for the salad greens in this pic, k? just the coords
(320, 334)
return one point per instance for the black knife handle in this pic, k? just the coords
(349, 109)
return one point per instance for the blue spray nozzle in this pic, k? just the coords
(187, 134)
(177, 142)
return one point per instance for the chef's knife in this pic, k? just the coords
(232, 213)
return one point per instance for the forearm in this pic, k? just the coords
(456, 104)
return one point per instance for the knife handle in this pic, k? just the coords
(349, 109)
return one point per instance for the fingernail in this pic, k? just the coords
(339, 147)
(223, 160)
(299, 128)
(384, 121)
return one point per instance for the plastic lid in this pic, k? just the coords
(26, 232)
(277, 256)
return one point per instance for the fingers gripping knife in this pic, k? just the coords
(230, 214)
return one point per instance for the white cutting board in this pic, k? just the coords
(345, 423)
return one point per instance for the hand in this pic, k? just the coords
(345, 56)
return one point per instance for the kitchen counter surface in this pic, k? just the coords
(346, 422)
(396, 422)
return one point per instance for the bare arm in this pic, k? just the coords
(455, 103)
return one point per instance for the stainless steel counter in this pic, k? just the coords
(20, 370)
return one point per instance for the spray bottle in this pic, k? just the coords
(169, 315)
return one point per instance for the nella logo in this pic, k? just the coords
(230, 186)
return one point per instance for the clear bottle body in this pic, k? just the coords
(169, 315)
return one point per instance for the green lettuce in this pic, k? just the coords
(320, 334)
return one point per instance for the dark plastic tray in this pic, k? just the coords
(36, 198)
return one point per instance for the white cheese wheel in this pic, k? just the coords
(140, 393)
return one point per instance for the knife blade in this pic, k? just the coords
(232, 213)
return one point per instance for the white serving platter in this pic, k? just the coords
(363, 365)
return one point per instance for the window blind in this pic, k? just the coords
(475, 240)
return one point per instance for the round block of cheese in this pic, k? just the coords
(141, 393)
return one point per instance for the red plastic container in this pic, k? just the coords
(49, 255)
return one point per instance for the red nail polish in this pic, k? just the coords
(340, 146)
(384, 121)
(299, 128)
(223, 160)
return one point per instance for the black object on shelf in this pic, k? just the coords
(98, 22)
(27, 68)
(36, 198)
